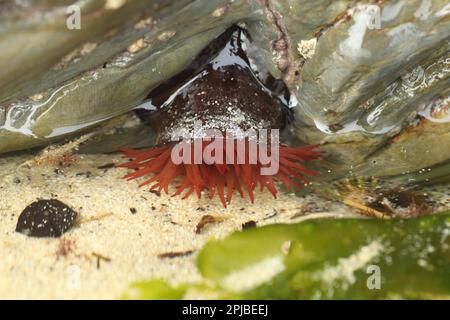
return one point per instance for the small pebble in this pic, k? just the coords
(46, 218)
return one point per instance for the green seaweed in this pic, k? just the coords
(154, 290)
(326, 259)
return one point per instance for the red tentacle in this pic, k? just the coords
(219, 177)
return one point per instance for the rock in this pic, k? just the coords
(46, 218)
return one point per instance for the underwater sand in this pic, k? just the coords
(128, 244)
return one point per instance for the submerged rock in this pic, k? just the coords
(46, 218)
(368, 80)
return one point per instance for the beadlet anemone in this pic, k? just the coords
(222, 91)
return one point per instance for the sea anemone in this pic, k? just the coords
(221, 92)
(218, 176)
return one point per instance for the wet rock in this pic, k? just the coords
(46, 218)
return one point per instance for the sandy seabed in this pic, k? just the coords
(123, 229)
